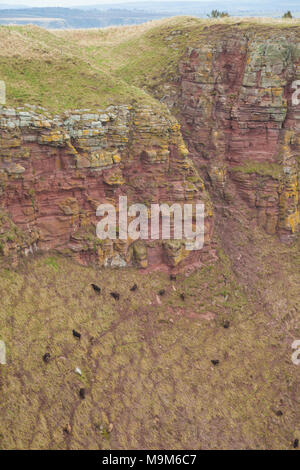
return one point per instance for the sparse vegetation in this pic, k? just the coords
(218, 14)
(260, 168)
(146, 367)
(287, 15)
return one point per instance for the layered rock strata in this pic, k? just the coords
(234, 99)
(55, 172)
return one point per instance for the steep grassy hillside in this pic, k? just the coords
(146, 359)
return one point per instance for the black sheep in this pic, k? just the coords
(215, 362)
(96, 288)
(76, 334)
(115, 295)
(46, 358)
(134, 288)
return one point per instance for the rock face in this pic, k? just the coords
(55, 171)
(237, 125)
(241, 124)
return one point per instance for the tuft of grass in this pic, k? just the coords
(51, 261)
(260, 168)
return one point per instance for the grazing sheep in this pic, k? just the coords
(96, 288)
(115, 295)
(76, 334)
(134, 288)
(215, 362)
(162, 292)
(82, 393)
(46, 358)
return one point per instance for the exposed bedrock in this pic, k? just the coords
(54, 173)
(234, 101)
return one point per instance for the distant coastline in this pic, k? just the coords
(132, 13)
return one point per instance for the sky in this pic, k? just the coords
(69, 3)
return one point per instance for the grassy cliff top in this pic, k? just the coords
(94, 68)
(42, 69)
(148, 55)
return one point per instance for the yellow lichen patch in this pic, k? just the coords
(116, 158)
(190, 189)
(100, 159)
(10, 142)
(100, 255)
(72, 148)
(42, 124)
(85, 219)
(209, 211)
(218, 175)
(176, 127)
(277, 91)
(183, 151)
(53, 138)
(289, 204)
(293, 220)
(175, 251)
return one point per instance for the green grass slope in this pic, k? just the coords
(41, 69)
(147, 55)
(71, 69)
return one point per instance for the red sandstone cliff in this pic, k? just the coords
(55, 173)
(233, 98)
